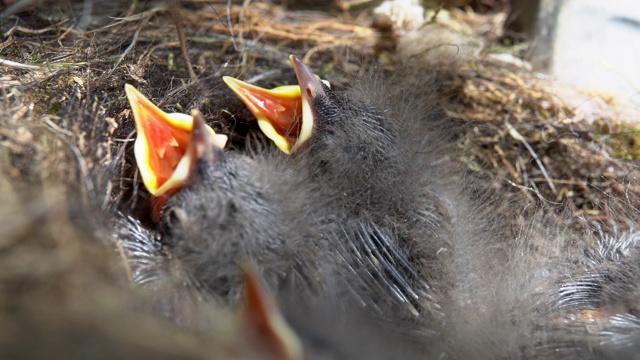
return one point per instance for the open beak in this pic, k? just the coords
(163, 149)
(262, 316)
(284, 113)
(277, 110)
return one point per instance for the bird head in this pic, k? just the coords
(346, 138)
(164, 148)
(284, 113)
(346, 131)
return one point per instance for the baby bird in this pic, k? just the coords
(382, 170)
(219, 209)
(345, 138)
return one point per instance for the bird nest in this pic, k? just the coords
(66, 116)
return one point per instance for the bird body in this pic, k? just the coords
(237, 208)
(377, 165)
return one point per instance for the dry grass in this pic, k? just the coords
(539, 141)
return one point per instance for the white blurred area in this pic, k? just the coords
(597, 47)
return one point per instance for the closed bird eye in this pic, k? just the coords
(174, 218)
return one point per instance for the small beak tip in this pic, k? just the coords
(294, 59)
(228, 80)
(134, 96)
(310, 83)
(199, 125)
(234, 84)
(130, 89)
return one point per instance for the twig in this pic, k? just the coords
(145, 15)
(534, 191)
(243, 61)
(516, 135)
(177, 19)
(28, 31)
(228, 25)
(129, 48)
(18, 65)
(57, 128)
